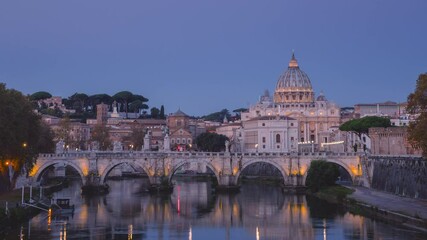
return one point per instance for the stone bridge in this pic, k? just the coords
(94, 166)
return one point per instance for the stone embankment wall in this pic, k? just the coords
(405, 176)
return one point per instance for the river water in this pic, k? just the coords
(193, 211)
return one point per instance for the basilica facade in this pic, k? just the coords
(293, 119)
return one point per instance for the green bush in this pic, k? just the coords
(321, 174)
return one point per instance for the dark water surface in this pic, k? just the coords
(192, 211)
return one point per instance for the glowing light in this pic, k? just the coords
(331, 143)
(190, 234)
(257, 233)
(235, 170)
(24, 144)
(179, 199)
(130, 232)
(7, 163)
(49, 218)
(324, 229)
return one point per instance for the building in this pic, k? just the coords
(294, 98)
(183, 130)
(385, 109)
(391, 141)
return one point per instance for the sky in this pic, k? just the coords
(206, 55)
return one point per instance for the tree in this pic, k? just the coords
(155, 112)
(63, 132)
(124, 97)
(40, 96)
(22, 136)
(417, 105)
(96, 99)
(79, 101)
(218, 116)
(211, 142)
(361, 125)
(162, 112)
(101, 134)
(136, 138)
(321, 174)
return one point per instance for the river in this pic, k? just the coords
(193, 211)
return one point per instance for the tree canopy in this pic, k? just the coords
(101, 134)
(321, 174)
(218, 116)
(211, 142)
(417, 105)
(362, 125)
(22, 135)
(40, 96)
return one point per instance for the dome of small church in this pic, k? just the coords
(293, 85)
(321, 97)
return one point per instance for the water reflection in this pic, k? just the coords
(194, 211)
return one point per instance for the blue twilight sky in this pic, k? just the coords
(206, 55)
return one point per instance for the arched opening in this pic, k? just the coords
(57, 174)
(344, 176)
(194, 186)
(127, 179)
(261, 171)
(124, 170)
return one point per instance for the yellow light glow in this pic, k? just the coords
(235, 170)
(24, 145)
(34, 170)
(355, 170)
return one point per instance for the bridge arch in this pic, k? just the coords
(183, 162)
(115, 163)
(245, 164)
(340, 163)
(46, 165)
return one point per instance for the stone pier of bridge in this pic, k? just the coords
(94, 166)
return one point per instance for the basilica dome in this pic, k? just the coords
(293, 86)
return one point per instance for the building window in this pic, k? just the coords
(263, 124)
(263, 146)
(189, 141)
(177, 141)
(263, 139)
(292, 124)
(173, 141)
(277, 138)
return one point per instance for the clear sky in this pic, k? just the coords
(206, 55)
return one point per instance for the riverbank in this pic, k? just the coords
(406, 211)
(387, 207)
(16, 213)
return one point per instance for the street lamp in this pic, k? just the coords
(256, 147)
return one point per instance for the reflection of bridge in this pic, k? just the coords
(94, 167)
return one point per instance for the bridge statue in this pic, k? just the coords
(147, 139)
(60, 145)
(117, 146)
(166, 143)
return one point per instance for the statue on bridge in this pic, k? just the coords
(60, 146)
(117, 146)
(166, 143)
(227, 146)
